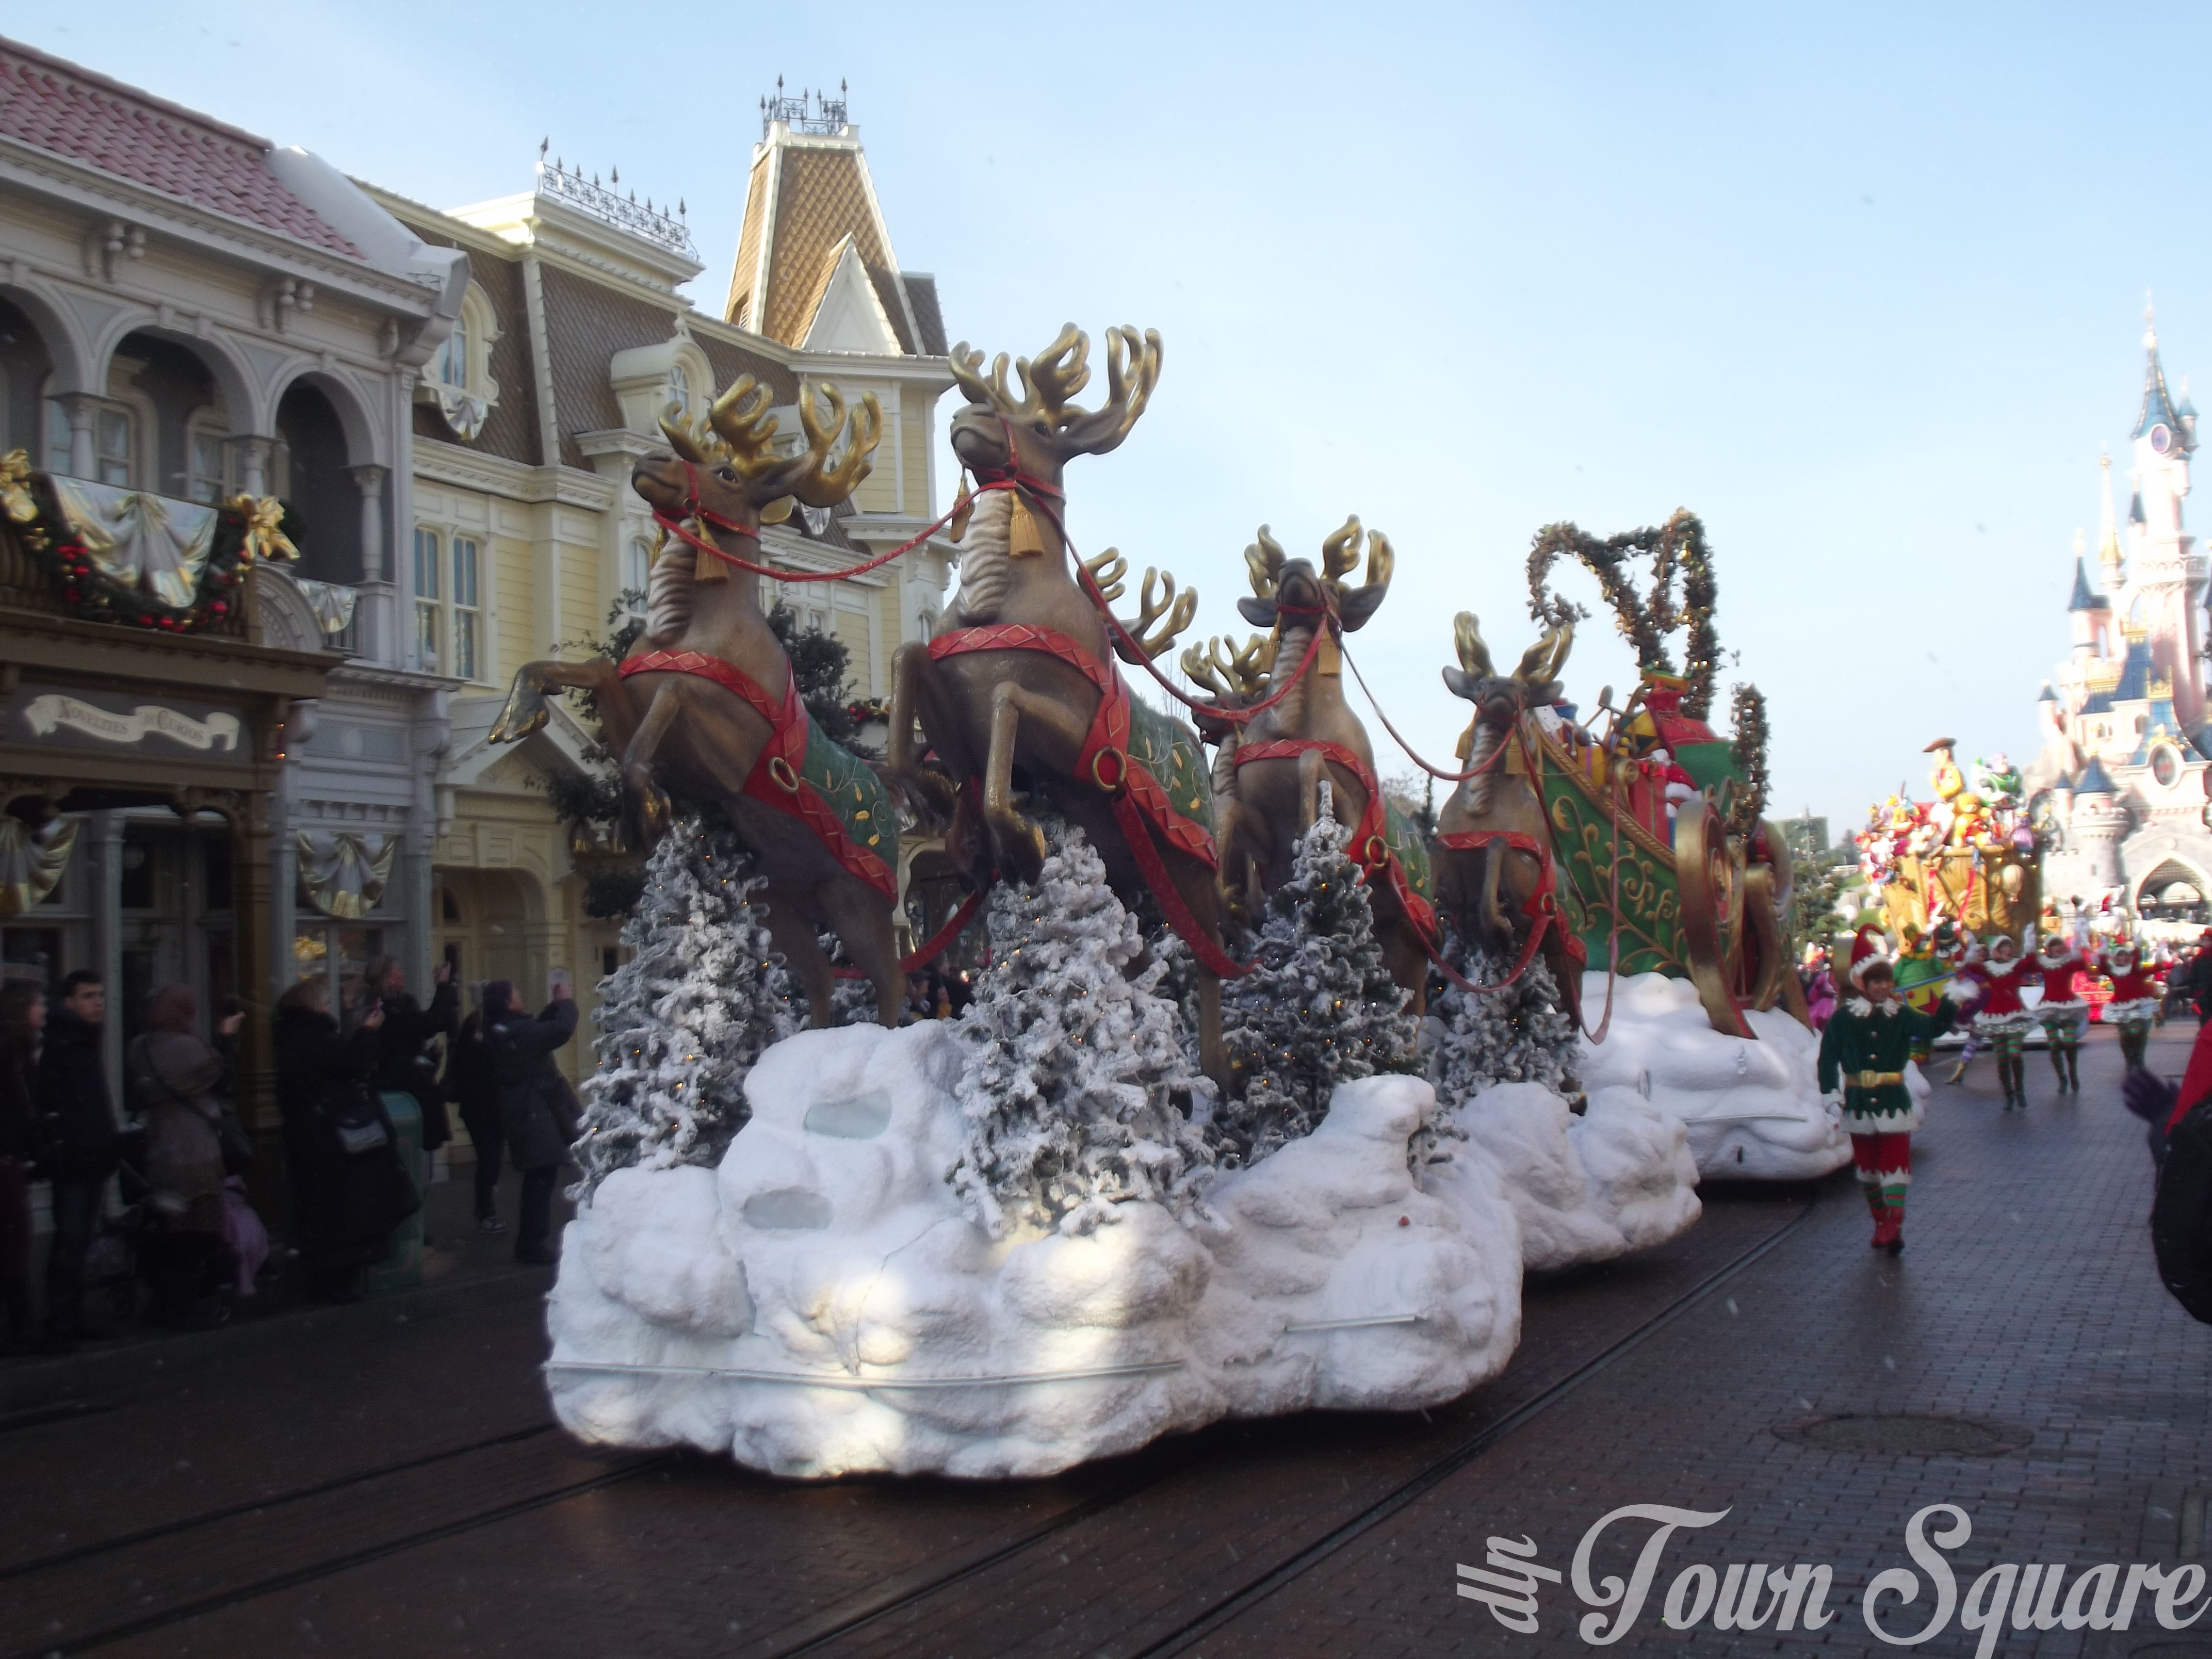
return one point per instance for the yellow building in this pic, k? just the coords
(573, 337)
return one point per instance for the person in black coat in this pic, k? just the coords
(348, 1192)
(472, 1085)
(22, 1022)
(409, 1028)
(78, 1147)
(537, 1108)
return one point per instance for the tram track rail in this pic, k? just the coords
(898, 1594)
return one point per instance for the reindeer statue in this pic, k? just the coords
(708, 701)
(1285, 752)
(1492, 836)
(1018, 688)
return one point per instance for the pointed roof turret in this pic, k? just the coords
(815, 268)
(2084, 600)
(2109, 556)
(2157, 409)
(2093, 780)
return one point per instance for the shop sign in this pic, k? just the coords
(80, 719)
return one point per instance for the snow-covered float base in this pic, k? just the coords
(1618, 1177)
(1753, 1108)
(820, 1305)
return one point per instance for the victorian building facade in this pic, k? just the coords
(448, 404)
(2120, 782)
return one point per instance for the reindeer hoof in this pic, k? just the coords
(651, 812)
(1019, 845)
(518, 718)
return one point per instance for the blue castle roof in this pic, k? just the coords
(2084, 599)
(2137, 672)
(2157, 408)
(2093, 780)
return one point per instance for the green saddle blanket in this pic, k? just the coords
(855, 792)
(1409, 846)
(1169, 750)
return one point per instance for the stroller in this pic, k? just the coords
(135, 1258)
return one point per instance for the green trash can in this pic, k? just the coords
(402, 1269)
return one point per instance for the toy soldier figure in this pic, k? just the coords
(2064, 1015)
(1864, 1055)
(2135, 993)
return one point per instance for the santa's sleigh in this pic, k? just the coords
(1681, 895)
(1990, 889)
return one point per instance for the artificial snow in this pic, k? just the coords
(820, 1303)
(1585, 1188)
(1753, 1108)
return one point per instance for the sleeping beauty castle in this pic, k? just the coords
(2119, 786)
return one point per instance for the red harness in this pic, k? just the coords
(1141, 807)
(1370, 848)
(776, 779)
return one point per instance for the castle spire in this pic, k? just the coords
(2109, 556)
(2157, 409)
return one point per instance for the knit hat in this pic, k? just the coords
(1867, 949)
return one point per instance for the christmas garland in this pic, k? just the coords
(245, 529)
(1748, 713)
(1645, 623)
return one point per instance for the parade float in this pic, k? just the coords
(1202, 1144)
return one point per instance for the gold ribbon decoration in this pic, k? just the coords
(264, 529)
(343, 874)
(16, 497)
(32, 861)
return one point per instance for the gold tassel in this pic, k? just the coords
(1329, 660)
(963, 508)
(706, 568)
(1024, 539)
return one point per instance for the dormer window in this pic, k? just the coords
(457, 380)
(679, 389)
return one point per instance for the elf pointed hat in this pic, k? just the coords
(1867, 949)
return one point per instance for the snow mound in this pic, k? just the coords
(1585, 1188)
(820, 1305)
(1753, 1108)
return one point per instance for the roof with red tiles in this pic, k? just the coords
(70, 111)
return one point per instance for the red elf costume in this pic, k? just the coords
(1864, 1055)
(2004, 1020)
(2135, 993)
(2064, 1013)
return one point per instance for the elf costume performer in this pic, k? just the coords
(2003, 1021)
(1967, 971)
(1863, 1054)
(2135, 993)
(2063, 1013)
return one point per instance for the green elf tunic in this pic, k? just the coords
(1865, 1049)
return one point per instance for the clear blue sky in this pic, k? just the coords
(1863, 286)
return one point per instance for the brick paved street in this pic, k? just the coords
(386, 1479)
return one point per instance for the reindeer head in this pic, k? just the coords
(1280, 585)
(1038, 431)
(1499, 699)
(727, 463)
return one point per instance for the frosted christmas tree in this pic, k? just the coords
(1318, 1009)
(1516, 1035)
(684, 1020)
(1075, 1091)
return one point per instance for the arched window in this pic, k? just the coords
(450, 365)
(458, 380)
(679, 388)
(636, 568)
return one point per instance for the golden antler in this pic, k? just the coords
(1264, 559)
(1474, 655)
(1206, 668)
(1382, 560)
(818, 483)
(1177, 609)
(740, 419)
(1542, 662)
(1107, 569)
(1056, 374)
(1339, 551)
